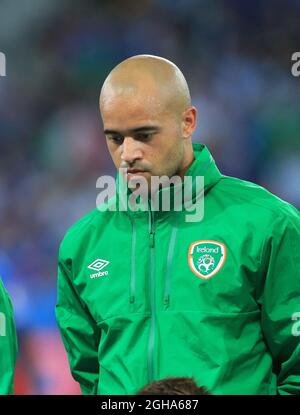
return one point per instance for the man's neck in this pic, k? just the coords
(187, 162)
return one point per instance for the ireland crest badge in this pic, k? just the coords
(206, 258)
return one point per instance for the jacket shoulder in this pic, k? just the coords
(257, 197)
(79, 230)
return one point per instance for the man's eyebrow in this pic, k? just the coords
(145, 128)
(110, 132)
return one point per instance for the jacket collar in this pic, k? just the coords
(204, 165)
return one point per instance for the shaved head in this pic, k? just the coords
(148, 118)
(150, 76)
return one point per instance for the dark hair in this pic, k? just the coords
(173, 386)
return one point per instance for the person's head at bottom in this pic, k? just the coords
(173, 386)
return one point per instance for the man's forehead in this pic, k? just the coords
(118, 92)
(129, 121)
(137, 106)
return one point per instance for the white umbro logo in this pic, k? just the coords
(98, 265)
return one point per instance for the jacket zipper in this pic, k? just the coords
(152, 300)
(133, 263)
(169, 266)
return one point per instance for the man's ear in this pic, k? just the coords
(189, 121)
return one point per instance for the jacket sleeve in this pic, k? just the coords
(79, 332)
(8, 343)
(281, 301)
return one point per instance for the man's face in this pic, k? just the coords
(142, 135)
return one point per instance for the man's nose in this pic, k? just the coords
(130, 150)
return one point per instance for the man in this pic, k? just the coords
(211, 299)
(8, 343)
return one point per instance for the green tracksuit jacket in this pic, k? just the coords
(147, 295)
(8, 343)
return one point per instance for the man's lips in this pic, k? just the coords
(135, 171)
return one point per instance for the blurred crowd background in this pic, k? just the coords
(236, 56)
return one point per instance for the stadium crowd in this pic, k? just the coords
(236, 56)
